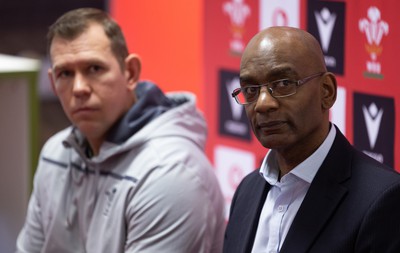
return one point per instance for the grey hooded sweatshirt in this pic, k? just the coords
(150, 189)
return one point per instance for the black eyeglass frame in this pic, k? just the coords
(297, 83)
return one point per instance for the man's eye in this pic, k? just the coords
(94, 68)
(283, 83)
(251, 90)
(64, 74)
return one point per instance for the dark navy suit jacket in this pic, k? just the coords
(352, 205)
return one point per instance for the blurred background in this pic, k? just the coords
(196, 45)
(23, 29)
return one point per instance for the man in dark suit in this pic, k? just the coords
(314, 192)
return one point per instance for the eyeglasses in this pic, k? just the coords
(278, 89)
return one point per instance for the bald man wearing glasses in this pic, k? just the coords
(314, 192)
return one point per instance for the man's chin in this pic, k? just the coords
(89, 130)
(272, 142)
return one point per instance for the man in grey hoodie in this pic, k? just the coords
(130, 174)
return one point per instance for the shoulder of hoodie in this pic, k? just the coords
(166, 154)
(189, 98)
(55, 142)
(183, 125)
(52, 155)
(158, 149)
(173, 165)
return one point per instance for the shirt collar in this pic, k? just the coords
(306, 170)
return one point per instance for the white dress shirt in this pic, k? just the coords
(285, 196)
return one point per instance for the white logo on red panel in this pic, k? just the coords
(238, 12)
(374, 29)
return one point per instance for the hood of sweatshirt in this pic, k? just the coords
(154, 115)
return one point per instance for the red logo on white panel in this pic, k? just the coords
(374, 29)
(238, 12)
(280, 18)
(279, 13)
(338, 111)
(234, 177)
(232, 165)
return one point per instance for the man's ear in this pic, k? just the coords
(328, 91)
(133, 67)
(50, 74)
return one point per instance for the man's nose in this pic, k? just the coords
(81, 86)
(265, 100)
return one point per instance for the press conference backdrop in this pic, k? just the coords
(196, 45)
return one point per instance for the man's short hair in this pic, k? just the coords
(75, 22)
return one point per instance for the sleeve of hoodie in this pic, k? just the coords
(174, 212)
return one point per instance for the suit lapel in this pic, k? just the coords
(253, 214)
(246, 215)
(325, 193)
